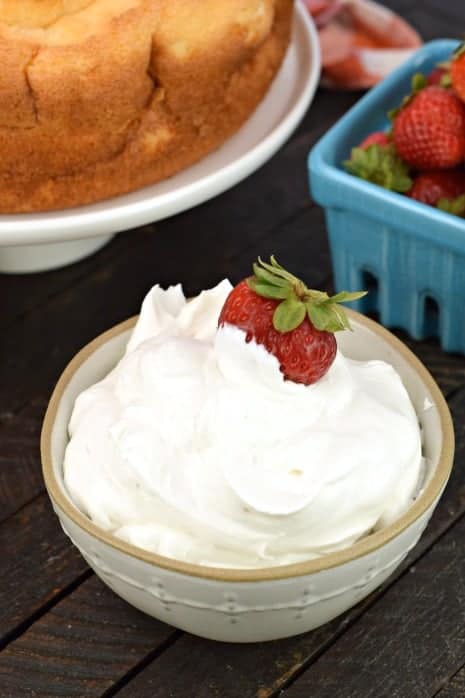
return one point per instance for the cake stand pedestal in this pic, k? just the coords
(26, 259)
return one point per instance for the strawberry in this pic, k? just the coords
(440, 76)
(379, 137)
(379, 164)
(429, 129)
(457, 71)
(455, 206)
(294, 323)
(429, 187)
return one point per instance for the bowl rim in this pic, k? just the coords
(359, 549)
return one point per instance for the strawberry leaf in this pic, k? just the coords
(288, 315)
(328, 318)
(268, 277)
(275, 263)
(277, 270)
(347, 296)
(316, 297)
(298, 301)
(267, 290)
(340, 317)
(380, 165)
(455, 206)
(418, 82)
(318, 316)
(446, 80)
(329, 315)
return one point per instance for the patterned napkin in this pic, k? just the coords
(361, 41)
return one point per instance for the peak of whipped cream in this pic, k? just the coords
(196, 448)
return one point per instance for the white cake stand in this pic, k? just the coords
(42, 241)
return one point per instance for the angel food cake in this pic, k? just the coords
(101, 97)
(201, 445)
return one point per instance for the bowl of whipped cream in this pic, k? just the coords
(211, 493)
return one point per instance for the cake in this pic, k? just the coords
(101, 97)
(197, 448)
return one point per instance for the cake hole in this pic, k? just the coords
(430, 316)
(296, 471)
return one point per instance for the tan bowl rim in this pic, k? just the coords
(364, 546)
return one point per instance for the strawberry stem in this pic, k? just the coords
(297, 301)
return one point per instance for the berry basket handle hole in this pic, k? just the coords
(431, 316)
(370, 283)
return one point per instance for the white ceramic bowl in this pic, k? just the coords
(250, 605)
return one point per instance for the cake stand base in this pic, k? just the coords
(26, 259)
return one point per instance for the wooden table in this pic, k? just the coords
(65, 634)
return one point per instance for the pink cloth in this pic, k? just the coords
(361, 41)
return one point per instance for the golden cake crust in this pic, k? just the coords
(101, 97)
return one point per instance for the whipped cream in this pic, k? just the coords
(196, 448)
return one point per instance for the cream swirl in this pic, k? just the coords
(196, 448)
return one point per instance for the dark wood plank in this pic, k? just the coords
(38, 563)
(447, 369)
(408, 643)
(81, 647)
(455, 687)
(432, 25)
(262, 670)
(22, 294)
(400, 6)
(452, 11)
(299, 244)
(20, 472)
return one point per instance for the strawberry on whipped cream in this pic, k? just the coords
(195, 446)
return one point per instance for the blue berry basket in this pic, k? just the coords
(409, 255)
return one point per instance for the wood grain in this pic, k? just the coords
(24, 294)
(449, 11)
(455, 687)
(38, 564)
(409, 642)
(447, 369)
(299, 244)
(81, 647)
(20, 471)
(434, 25)
(262, 670)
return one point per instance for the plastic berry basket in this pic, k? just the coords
(409, 255)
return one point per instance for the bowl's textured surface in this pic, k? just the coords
(410, 255)
(261, 604)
